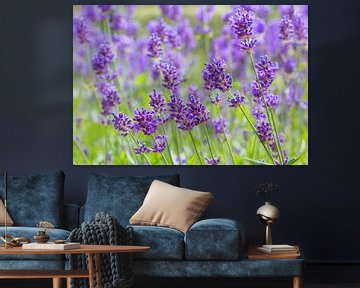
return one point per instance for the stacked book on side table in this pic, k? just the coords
(51, 246)
(274, 252)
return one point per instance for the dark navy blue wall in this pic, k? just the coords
(319, 202)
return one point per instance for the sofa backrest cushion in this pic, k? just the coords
(35, 198)
(120, 196)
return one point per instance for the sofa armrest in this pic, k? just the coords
(215, 239)
(71, 216)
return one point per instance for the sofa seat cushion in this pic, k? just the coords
(166, 243)
(29, 232)
(120, 196)
(214, 239)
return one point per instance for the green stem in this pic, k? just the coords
(268, 113)
(174, 130)
(254, 129)
(137, 144)
(167, 146)
(77, 145)
(197, 152)
(207, 140)
(162, 155)
(226, 139)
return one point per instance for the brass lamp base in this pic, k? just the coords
(268, 238)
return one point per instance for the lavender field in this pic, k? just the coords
(190, 85)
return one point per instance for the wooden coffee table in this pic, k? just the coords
(57, 275)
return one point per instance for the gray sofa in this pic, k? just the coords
(210, 248)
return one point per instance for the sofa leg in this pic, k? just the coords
(57, 283)
(297, 282)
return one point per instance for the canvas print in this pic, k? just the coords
(190, 85)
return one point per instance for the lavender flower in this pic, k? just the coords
(154, 46)
(141, 149)
(173, 12)
(155, 71)
(216, 99)
(300, 28)
(219, 126)
(236, 101)
(176, 108)
(241, 23)
(170, 76)
(81, 30)
(157, 101)
(160, 28)
(286, 28)
(103, 58)
(248, 44)
(259, 113)
(195, 113)
(144, 121)
(160, 143)
(272, 100)
(173, 38)
(204, 15)
(264, 131)
(266, 70)
(110, 97)
(215, 77)
(213, 161)
(186, 34)
(122, 123)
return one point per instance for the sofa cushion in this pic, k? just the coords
(170, 206)
(29, 232)
(165, 243)
(35, 198)
(119, 196)
(9, 221)
(214, 239)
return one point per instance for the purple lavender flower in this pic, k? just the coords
(216, 99)
(117, 22)
(157, 101)
(160, 143)
(171, 79)
(194, 90)
(219, 126)
(155, 71)
(286, 28)
(186, 34)
(272, 100)
(154, 46)
(215, 77)
(259, 26)
(248, 44)
(266, 70)
(290, 65)
(300, 28)
(104, 8)
(173, 38)
(213, 161)
(197, 111)
(173, 12)
(144, 121)
(122, 123)
(236, 101)
(272, 37)
(90, 13)
(141, 149)
(80, 30)
(204, 15)
(241, 23)
(160, 28)
(103, 58)
(110, 97)
(176, 108)
(264, 131)
(259, 113)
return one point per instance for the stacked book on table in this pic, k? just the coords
(282, 251)
(51, 246)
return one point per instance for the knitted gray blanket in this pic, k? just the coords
(116, 268)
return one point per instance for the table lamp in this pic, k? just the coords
(268, 214)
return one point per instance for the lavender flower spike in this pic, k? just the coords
(154, 46)
(157, 101)
(236, 101)
(241, 23)
(122, 123)
(160, 144)
(81, 30)
(213, 161)
(215, 77)
(141, 149)
(171, 79)
(144, 121)
(103, 58)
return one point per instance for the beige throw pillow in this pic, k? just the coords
(170, 206)
(9, 221)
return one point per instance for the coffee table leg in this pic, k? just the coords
(98, 270)
(68, 282)
(91, 270)
(57, 283)
(297, 282)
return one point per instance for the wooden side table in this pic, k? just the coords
(254, 254)
(92, 251)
